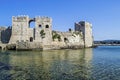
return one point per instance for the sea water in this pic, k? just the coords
(101, 63)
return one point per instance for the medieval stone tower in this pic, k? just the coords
(21, 31)
(19, 28)
(86, 29)
(43, 30)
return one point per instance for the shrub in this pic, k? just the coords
(56, 36)
(42, 33)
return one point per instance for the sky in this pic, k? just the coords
(103, 14)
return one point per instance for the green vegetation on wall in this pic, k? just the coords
(42, 33)
(56, 36)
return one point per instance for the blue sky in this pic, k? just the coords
(103, 14)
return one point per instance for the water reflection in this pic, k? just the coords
(46, 65)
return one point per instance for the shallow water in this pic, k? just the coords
(102, 63)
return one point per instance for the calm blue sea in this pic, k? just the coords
(101, 63)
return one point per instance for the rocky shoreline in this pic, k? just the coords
(49, 47)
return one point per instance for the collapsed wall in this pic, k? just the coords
(68, 39)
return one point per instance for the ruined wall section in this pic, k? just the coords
(80, 27)
(31, 30)
(5, 34)
(69, 40)
(73, 38)
(19, 29)
(1, 30)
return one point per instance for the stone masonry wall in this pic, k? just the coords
(44, 30)
(42, 36)
(86, 29)
(19, 29)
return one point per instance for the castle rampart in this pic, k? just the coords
(41, 36)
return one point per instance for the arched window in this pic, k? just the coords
(32, 23)
(65, 39)
(47, 26)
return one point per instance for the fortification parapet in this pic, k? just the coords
(20, 18)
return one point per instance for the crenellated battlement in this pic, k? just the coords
(20, 18)
(43, 19)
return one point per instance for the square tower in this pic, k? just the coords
(43, 30)
(86, 29)
(20, 26)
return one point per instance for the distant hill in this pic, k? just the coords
(110, 40)
(107, 42)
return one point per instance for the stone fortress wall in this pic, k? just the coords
(86, 29)
(43, 37)
(5, 34)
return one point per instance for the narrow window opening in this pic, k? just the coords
(31, 39)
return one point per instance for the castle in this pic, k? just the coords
(22, 36)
